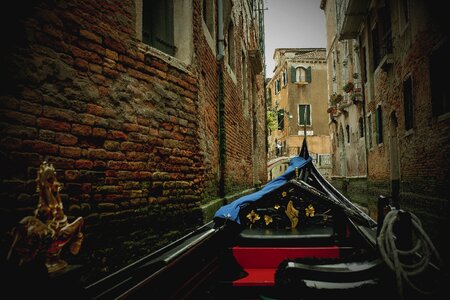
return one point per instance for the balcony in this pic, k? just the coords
(350, 15)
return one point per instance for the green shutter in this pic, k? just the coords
(293, 73)
(305, 114)
(308, 115)
(302, 114)
(308, 75)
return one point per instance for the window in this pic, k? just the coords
(361, 127)
(369, 130)
(284, 78)
(230, 46)
(382, 34)
(301, 74)
(208, 15)
(277, 86)
(166, 25)
(280, 117)
(408, 103)
(379, 125)
(439, 65)
(363, 65)
(304, 114)
(157, 25)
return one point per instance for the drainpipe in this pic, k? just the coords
(221, 102)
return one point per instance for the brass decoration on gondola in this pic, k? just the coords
(292, 214)
(283, 194)
(253, 217)
(309, 211)
(48, 231)
(277, 206)
(268, 220)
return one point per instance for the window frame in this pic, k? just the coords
(300, 115)
(160, 19)
(182, 32)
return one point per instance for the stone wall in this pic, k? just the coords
(131, 131)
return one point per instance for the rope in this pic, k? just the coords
(395, 258)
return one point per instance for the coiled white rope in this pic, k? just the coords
(423, 250)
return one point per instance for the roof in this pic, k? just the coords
(299, 51)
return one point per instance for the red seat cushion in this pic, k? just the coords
(260, 263)
(265, 257)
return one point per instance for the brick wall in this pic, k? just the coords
(131, 132)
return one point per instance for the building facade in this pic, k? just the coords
(149, 111)
(297, 104)
(391, 53)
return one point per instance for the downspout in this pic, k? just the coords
(221, 101)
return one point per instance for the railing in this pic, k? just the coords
(321, 160)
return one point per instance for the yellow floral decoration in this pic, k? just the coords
(253, 217)
(267, 219)
(310, 211)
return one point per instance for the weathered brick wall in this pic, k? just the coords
(119, 124)
(131, 132)
(378, 156)
(207, 71)
(425, 153)
(244, 120)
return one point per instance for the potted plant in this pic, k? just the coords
(335, 98)
(348, 87)
(332, 109)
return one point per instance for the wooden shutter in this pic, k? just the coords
(293, 74)
(305, 114)
(308, 74)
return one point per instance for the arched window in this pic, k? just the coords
(300, 74)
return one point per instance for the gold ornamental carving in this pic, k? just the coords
(48, 230)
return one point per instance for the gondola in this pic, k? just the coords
(296, 238)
